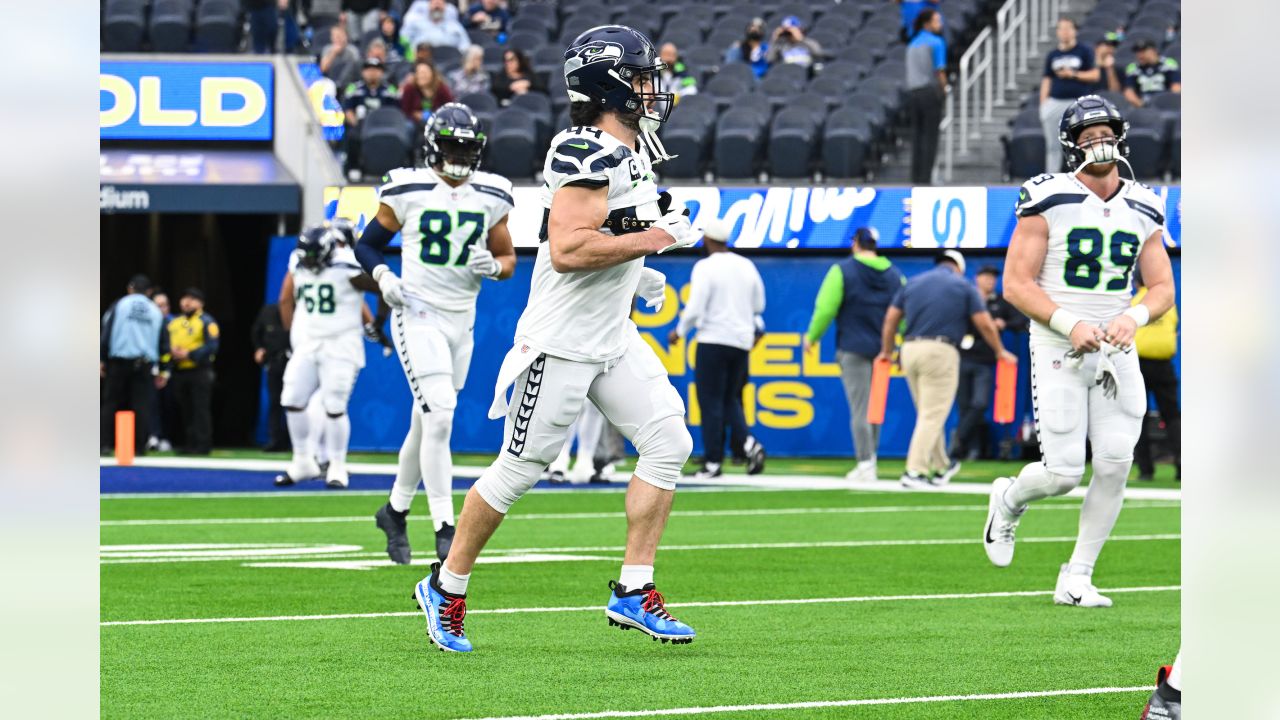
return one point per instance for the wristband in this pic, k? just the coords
(1140, 313)
(379, 271)
(1063, 321)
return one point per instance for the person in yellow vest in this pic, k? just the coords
(193, 346)
(1157, 343)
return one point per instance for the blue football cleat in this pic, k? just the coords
(644, 610)
(444, 613)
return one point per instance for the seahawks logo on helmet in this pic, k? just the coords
(597, 52)
(601, 65)
(453, 141)
(316, 244)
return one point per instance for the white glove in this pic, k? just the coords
(483, 263)
(652, 288)
(676, 224)
(389, 283)
(1106, 375)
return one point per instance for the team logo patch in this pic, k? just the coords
(524, 348)
(1057, 364)
(1106, 212)
(598, 51)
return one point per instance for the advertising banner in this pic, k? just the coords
(206, 101)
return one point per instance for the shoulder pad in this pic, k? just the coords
(1046, 191)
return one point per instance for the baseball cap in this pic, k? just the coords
(954, 256)
(718, 230)
(791, 21)
(1144, 44)
(374, 63)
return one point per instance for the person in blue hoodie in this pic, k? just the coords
(855, 295)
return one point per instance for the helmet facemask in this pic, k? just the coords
(454, 152)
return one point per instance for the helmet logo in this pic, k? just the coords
(599, 51)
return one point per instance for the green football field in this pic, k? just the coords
(807, 603)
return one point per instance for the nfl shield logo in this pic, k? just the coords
(524, 348)
(1057, 364)
(1106, 212)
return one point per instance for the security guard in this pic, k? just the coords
(131, 345)
(193, 340)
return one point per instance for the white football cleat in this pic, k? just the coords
(863, 472)
(299, 469)
(998, 533)
(581, 473)
(336, 476)
(1078, 589)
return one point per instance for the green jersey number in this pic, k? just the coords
(316, 297)
(437, 228)
(1088, 253)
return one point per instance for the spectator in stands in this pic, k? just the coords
(271, 352)
(488, 16)
(435, 26)
(977, 368)
(1069, 72)
(424, 93)
(856, 294)
(471, 77)
(131, 347)
(422, 51)
(398, 50)
(1149, 74)
(938, 306)
(676, 77)
(264, 22)
(926, 92)
(361, 99)
(1104, 57)
(789, 45)
(193, 338)
(339, 60)
(363, 16)
(911, 9)
(376, 50)
(1157, 343)
(751, 49)
(515, 78)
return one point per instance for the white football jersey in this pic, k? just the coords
(1093, 243)
(327, 309)
(439, 224)
(585, 315)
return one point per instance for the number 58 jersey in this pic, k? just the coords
(439, 226)
(1093, 244)
(327, 309)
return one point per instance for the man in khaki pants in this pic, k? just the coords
(938, 306)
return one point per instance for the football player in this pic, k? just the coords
(322, 305)
(1078, 239)
(453, 223)
(1166, 702)
(602, 214)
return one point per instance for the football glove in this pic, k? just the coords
(389, 284)
(652, 288)
(483, 263)
(676, 224)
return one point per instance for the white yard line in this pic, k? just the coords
(598, 608)
(741, 512)
(817, 704)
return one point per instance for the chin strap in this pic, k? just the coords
(653, 146)
(1118, 158)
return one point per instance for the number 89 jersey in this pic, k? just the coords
(1093, 243)
(439, 225)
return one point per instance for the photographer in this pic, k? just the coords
(789, 45)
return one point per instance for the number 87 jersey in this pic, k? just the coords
(440, 225)
(1093, 243)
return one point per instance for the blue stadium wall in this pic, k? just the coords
(794, 404)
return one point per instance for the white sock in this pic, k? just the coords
(1032, 484)
(337, 435)
(316, 418)
(634, 577)
(1175, 675)
(437, 465)
(408, 473)
(1102, 502)
(299, 433)
(453, 583)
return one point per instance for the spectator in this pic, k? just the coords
(1149, 74)
(426, 92)
(193, 338)
(726, 297)
(361, 99)
(856, 294)
(264, 23)
(398, 49)
(488, 16)
(271, 352)
(376, 49)
(926, 92)
(938, 306)
(751, 49)
(789, 45)
(131, 347)
(910, 9)
(676, 77)
(1069, 73)
(1157, 343)
(1104, 57)
(977, 368)
(471, 77)
(422, 51)
(364, 16)
(515, 78)
(339, 60)
(162, 408)
(435, 26)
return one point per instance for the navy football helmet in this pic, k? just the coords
(1086, 111)
(453, 141)
(601, 64)
(316, 244)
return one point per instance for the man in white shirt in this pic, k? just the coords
(726, 297)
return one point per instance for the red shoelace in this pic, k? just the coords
(655, 603)
(452, 614)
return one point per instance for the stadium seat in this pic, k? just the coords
(687, 135)
(815, 103)
(1170, 106)
(703, 61)
(538, 106)
(684, 38)
(740, 72)
(532, 24)
(835, 85)
(512, 151)
(492, 61)
(795, 75)
(1175, 149)
(1117, 98)
(1025, 152)
(218, 26)
(1146, 142)
(544, 13)
(480, 38)
(859, 55)
(170, 26)
(737, 145)
(525, 41)
(123, 26)
(792, 139)
(576, 24)
(446, 57)
(647, 22)
(723, 87)
(563, 122)
(558, 91)
(846, 144)
(385, 141)
(547, 60)
(1173, 50)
